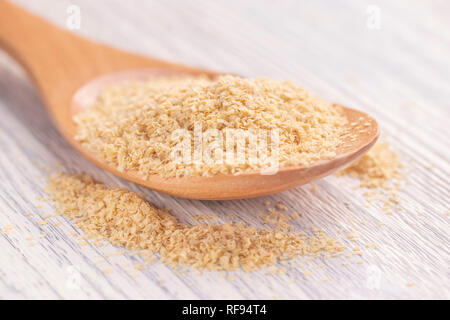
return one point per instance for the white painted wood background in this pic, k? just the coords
(400, 73)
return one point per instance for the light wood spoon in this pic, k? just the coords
(69, 71)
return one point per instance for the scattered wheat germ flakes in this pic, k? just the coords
(125, 219)
(371, 245)
(379, 171)
(377, 167)
(139, 266)
(278, 219)
(7, 229)
(281, 206)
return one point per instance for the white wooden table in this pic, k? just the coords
(397, 70)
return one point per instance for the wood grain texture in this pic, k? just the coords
(398, 73)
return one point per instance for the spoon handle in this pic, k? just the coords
(42, 49)
(59, 60)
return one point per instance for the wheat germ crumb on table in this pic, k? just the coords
(125, 219)
(379, 170)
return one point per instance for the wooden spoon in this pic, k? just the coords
(69, 71)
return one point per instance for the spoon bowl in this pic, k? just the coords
(221, 186)
(69, 72)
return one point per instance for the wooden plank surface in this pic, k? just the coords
(398, 72)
